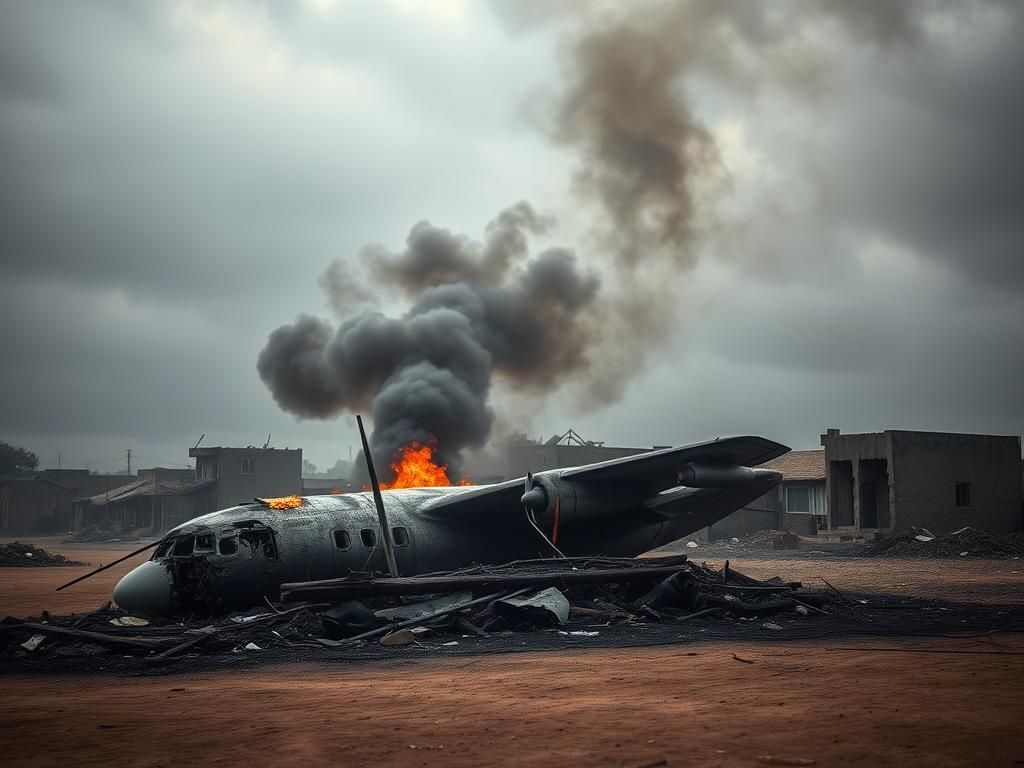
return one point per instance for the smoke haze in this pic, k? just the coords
(476, 309)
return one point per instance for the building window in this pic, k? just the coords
(400, 537)
(342, 540)
(963, 494)
(248, 465)
(369, 537)
(798, 499)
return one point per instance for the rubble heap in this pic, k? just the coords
(966, 542)
(27, 555)
(102, 532)
(572, 597)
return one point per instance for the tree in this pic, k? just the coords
(16, 461)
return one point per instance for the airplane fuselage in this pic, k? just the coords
(239, 557)
(234, 557)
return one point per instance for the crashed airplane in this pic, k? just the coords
(238, 557)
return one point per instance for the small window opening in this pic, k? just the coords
(248, 465)
(963, 494)
(259, 540)
(183, 547)
(204, 542)
(342, 540)
(369, 537)
(163, 549)
(229, 545)
(798, 499)
(400, 537)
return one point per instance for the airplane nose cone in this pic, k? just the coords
(145, 590)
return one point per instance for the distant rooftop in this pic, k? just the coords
(209, 451)
(149, 488)
(799, 465)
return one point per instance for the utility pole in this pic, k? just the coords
(58, 461)
(129, 452)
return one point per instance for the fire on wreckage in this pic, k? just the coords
(239, 557)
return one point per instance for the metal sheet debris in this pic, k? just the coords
(423, 607)
(548, 600)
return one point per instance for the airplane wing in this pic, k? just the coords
(658, 470)
(477, 500)
(638, 477)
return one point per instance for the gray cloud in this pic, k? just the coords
(178, 176)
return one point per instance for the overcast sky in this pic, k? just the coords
(177, 176)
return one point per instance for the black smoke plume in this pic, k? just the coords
(477, 310)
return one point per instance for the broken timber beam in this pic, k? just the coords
(146, 643)
(348, 588)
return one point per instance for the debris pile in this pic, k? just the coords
(18, 554)
(766, 539)
(104, 531)
(966, 542)
(572, 598)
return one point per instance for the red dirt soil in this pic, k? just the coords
(27, 592)
(687, 705)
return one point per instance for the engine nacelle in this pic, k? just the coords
(697, 475)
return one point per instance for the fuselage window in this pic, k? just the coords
(204, 542)
(229, 545)
(369, 537)
(260, 540)
(183, 547)
(342, 540)
(400, 536)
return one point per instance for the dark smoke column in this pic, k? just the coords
(476, 310)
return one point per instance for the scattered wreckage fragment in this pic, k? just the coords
(575, 598)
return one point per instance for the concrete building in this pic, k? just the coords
(937, 480)
(243, 474)
(566, 450)
(160, 499)
(42, 502)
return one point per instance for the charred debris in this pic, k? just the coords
(490, 608)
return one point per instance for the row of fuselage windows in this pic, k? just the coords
(368, 536)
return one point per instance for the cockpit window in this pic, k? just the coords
(162, 549)
(259, 540)
(229, 545)
(183, 547)
(204, 542)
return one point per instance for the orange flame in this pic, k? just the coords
(414, 467)
(283, 502)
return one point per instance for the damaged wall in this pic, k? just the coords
(936, 480)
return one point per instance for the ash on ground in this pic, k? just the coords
(914, 543)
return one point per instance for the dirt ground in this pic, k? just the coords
(689, 704)
(28, 591)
